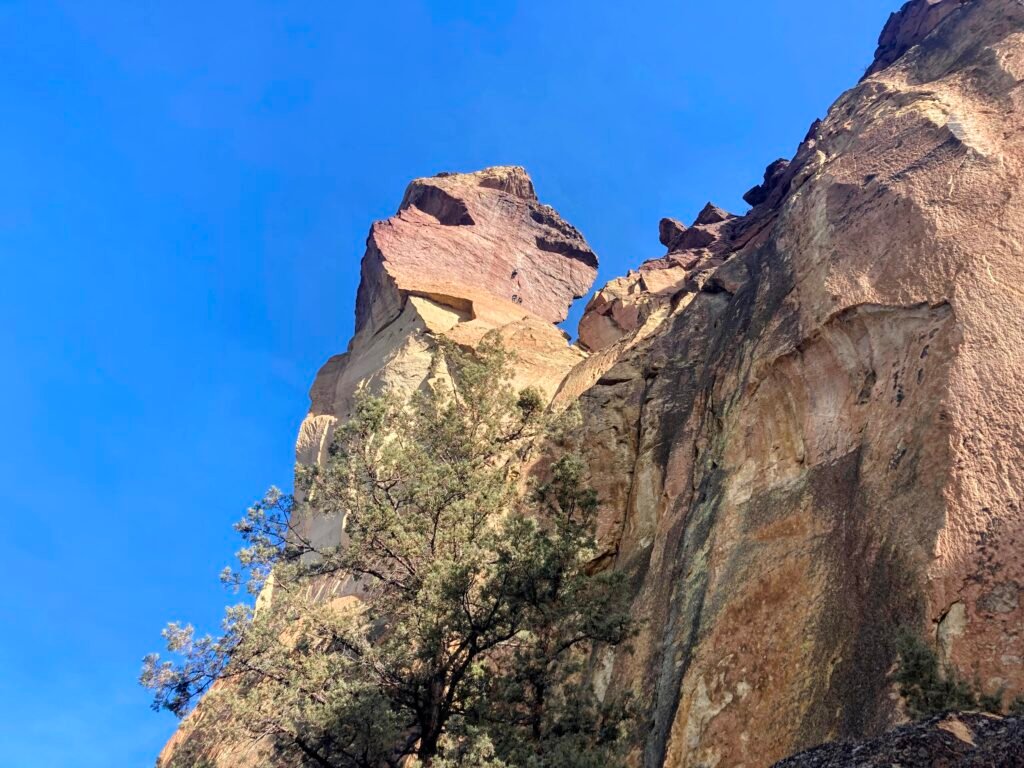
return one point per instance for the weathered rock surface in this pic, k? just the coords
(622, 306)
(482, 232)
(818, 439)
(908, 27)
(805, 423)
(967, 740)
(466, 254)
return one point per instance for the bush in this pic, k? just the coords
(930, 688)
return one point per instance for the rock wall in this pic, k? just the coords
(805, 422)
(818, 440)
(965, 740)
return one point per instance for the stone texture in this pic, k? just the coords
(474, 232)
(774, 175)
(821, 440)
(623, 305)
(968, 740)
(465, 255)
(908, 27)
(669, 232)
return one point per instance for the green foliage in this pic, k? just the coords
(930, 689)
(454, 626)
(1017, 706)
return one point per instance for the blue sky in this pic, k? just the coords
(186, 190)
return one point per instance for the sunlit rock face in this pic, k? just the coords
(806, 427)
(805, 422)
(466, 254)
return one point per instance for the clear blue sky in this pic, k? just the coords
(186, 190)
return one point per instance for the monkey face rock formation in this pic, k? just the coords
(484, 232)
(466, 254)
(822, 440)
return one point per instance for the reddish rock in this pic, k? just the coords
(773, 176)
(696, 237)
(473, 232)
(712, 214)
(909, 26)
(669, 232)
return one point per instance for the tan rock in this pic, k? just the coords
(465, 255)
(623, 306)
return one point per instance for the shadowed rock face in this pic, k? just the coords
(805, 423)
(949, 741)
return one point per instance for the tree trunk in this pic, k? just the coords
(431, 722)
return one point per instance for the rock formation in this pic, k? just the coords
(465, 254)
(805, 422)
(819, 437)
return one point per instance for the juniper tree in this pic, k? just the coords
(452, 627)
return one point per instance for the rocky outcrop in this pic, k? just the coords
(465, 254)
(804, 423)
(622, 306)
(463, 234)
(908, 27)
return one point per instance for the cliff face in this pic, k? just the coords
(819, 438)
(805, 423)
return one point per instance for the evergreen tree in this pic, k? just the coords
(468, 608)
